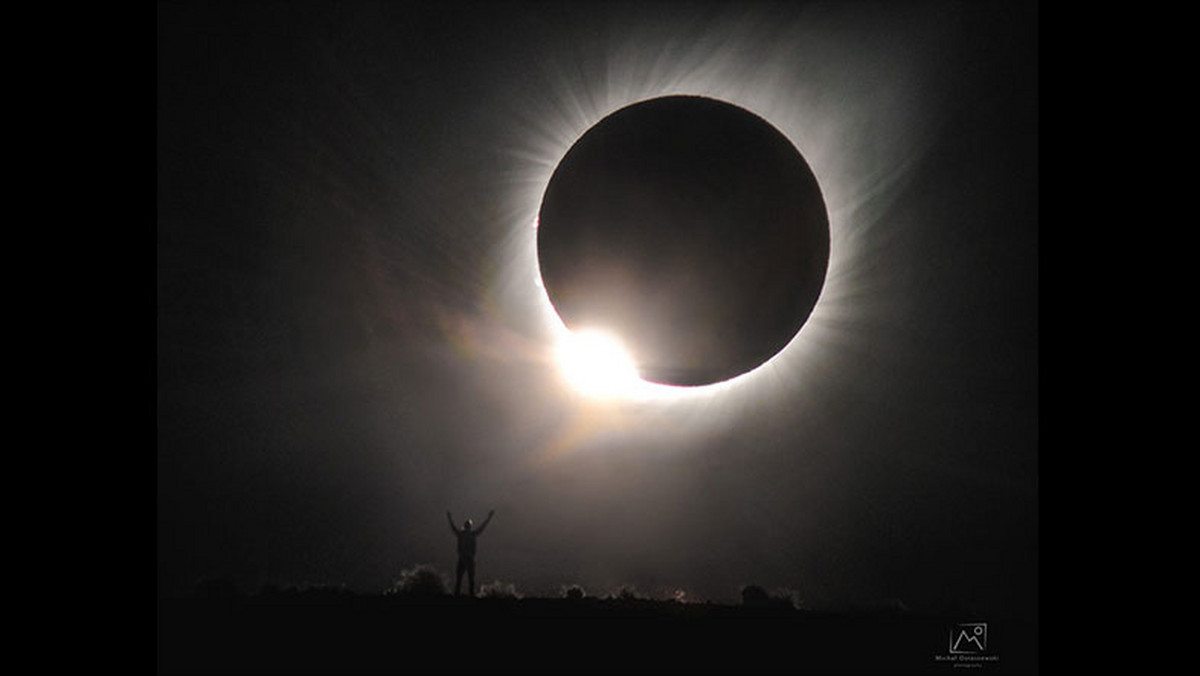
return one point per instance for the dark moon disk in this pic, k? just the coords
(691, 229)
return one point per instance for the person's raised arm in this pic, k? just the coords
(449, 518)
(491, 513)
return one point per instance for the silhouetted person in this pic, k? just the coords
(466, 550)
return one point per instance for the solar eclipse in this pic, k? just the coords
(692, 231)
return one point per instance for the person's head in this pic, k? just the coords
(467, 524)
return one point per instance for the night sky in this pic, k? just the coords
(352, 339)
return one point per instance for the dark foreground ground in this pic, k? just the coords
(354, 634)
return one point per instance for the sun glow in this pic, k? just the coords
(596, 364)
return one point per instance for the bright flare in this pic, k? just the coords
(597, 364)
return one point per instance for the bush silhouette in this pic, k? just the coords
(573, 592)
(499, 590)
(626, 592)
(754, 595)
(422, 581)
